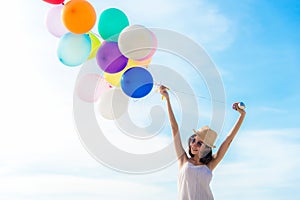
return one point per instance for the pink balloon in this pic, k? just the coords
(54, 23)
(91, 86)
(152, 52)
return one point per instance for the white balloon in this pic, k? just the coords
(113, 104)
(137, 42)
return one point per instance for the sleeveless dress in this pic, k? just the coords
(193, 182)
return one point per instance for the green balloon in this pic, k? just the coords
(111, 22)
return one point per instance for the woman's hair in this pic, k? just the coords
(206, 159)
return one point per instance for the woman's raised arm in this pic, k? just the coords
(225, 145)
(181, 155)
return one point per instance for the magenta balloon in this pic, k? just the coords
(54, 1)
(110, 59)
(54, 23)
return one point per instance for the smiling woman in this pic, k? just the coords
(41, 155)
(195, 169)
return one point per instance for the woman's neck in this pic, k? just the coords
(196, 161)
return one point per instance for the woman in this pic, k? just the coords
(195, 170)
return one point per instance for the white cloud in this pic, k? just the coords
(264, 161)
(200, 20)
(272, 109)
(76, 187)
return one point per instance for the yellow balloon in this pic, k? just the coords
(96, 43)
(143, 63)
(115, 79)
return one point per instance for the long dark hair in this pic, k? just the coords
(206, 159)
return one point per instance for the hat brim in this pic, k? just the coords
(198, 134)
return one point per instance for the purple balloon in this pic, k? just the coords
(110, 59)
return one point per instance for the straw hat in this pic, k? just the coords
(207, 135)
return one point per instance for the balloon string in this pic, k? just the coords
(198, 96)
(176, 91)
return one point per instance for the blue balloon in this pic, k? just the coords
(136, 82)
(74, 49)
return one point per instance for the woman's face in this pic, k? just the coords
(196, 144)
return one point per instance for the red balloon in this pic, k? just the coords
(54, 1)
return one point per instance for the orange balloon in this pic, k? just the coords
(79, 16)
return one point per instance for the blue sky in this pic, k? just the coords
(255, 46)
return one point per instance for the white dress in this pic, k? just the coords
(193, 182)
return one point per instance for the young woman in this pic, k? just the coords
(195, 169)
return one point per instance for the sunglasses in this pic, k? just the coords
(198, 143)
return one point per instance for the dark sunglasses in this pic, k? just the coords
(193, 140)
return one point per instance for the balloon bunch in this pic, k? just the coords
(122, 51)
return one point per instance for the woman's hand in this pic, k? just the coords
(237, 108)
(163, 91)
